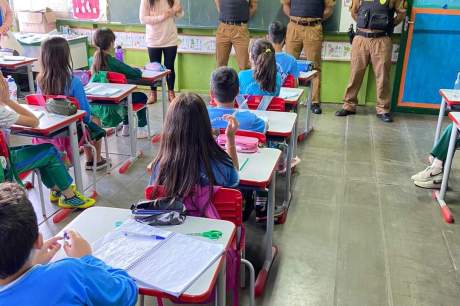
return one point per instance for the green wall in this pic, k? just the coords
(193, 70)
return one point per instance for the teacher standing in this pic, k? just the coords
(161, 36)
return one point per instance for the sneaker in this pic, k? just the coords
(142, 132)
(433, 183)
(261, 201)
(99, 165)
(77, 201)
(55, 196)
(428, 174)
(125, 130)
(316, 108)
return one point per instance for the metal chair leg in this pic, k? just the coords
(40, 191)
(107, 157)
(141, 299)
(148, 119)
(252, 278)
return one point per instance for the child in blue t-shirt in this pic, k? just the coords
(286, 63)
(224, 89)
(27, 277)
(263, 79)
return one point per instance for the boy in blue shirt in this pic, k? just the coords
(286, 63)
(224, 89)
(26, 278)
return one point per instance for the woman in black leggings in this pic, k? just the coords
(161, 36)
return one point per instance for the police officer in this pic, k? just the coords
(233, 30)
(375, 21)
(305, 31)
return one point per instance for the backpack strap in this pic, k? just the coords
(264, 103)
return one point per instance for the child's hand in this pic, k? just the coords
(232, 125)
(76, 246)
(49, 249)
(4, 92)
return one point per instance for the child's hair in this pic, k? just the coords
(18, 228)
(263, 57)
(225, 84)
(103, 39)
(152, 3)
(57, 66)
(277, 32)
(187, 147)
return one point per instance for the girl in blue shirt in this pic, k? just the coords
(263, 79)
(56, 78)
(189, 155)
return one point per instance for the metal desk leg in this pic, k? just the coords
(164, 97)
(270, 250)
(290, 151)
(132, 137)
(308, 126)
(221, 285)
(30, 76)
(445, 211)
(75, 156)
(442, 110)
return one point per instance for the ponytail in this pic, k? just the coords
(263, 57)
(103, 39)
(99, 61)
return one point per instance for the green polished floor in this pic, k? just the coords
(359, 233)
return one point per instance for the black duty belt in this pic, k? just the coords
(306, 23)
(237, 23)
(371, 34)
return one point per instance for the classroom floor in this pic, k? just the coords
(358, 233)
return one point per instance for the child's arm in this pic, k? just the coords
(232, 127)
(120, 67)
(78, 92)
(25, 117)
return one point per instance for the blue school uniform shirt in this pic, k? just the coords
(249, 86)
(287, 65)
(225, 174)
(77, 91)
(248, 121)
(71, 282)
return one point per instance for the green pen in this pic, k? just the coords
(244, 164)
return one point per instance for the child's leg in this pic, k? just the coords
(439, 151)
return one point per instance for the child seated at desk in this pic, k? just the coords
(56, 78)
(431, 177)
(224, 89)
(189, 155)
(263, 79)
(286, 63)
(27, 277)
(104, 40)
(43, 157)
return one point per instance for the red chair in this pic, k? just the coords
(290, 82)
(120, 78)
(40, 100)
(229, 204)
(276, 105)
(23, 175)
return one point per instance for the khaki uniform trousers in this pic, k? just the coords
(236, 35)
(378, 52)
(310, 39)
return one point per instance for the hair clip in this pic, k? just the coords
(268, 51)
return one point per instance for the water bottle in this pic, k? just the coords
(119, 54)
(12, 88)
(457, 82)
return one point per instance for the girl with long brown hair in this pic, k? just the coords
(161, 36)
(189, 155)
(56, 78)
(263, 79)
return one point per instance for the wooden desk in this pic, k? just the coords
(50, 124)
(449, 97)
(260, 173)
(93, 223)
(124, 92)
(22, 62)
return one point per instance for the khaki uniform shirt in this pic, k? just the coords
(328, 10)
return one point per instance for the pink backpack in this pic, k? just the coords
(244, 144)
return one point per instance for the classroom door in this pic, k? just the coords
(432, 57)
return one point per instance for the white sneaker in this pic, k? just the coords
(125, 130)
(428, 174)
(433, 183)
(142, 132)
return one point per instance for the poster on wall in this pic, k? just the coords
(87, 9)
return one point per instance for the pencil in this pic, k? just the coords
(244, 164)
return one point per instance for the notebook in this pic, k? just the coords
(170, 262)
(101, 90)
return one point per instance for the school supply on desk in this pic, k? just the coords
(61, 106)
(213, 235)
(169, 265)
(244, 144)
(12, 58)
(101, 90)
(161, 211)
(244, 164)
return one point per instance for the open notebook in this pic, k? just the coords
(98, 89)
(158, 259)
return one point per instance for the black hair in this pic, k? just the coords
(18, 228)
(263, 57)
(103, 39)
(277, 32)
(225, 84)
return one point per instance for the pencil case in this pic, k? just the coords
(244, 144)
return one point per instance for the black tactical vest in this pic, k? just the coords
(376, 15)
(307, 8)
(234, 11)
